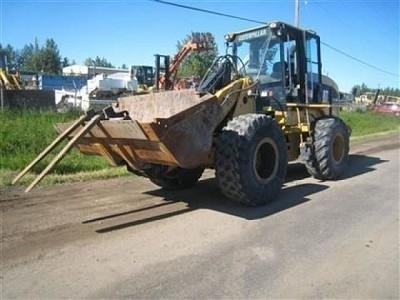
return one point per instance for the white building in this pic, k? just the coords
(91, 70)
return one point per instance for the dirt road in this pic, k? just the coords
(125, 238)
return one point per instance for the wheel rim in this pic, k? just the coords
(265, 162)
(338, 146)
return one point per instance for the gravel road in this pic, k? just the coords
(125, 238)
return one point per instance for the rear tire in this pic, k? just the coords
(175, 179)
(328, 155)
(251, 159)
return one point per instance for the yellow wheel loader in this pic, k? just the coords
(259, 106)
(8, 81)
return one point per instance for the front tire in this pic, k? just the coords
(329, 152)
(174, 179)
(251, 159)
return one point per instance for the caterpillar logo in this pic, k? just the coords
(253, 34)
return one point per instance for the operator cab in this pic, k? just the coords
(143, 74)
(284, 60)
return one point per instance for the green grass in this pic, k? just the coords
(24, 134)
(367, 122)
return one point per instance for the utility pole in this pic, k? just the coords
(2, 98)
(296, 13)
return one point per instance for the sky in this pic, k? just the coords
(131, 32)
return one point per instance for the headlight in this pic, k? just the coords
(229, 37)
(273, 25)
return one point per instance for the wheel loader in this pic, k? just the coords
(8, 80)
(261, 105)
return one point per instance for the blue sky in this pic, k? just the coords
(131, 32)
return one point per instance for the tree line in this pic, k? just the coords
(46, 58)
(35, 58)
(359, 90)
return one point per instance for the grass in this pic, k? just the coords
(7, 175)
(24, 134)
(365, 123)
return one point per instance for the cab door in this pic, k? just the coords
(313, 68)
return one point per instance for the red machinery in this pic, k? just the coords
(166, 71)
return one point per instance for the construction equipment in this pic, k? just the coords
(166, 69)
(144, 75)
(163, 76)
(8, 80)
(99, 91)
(257, 108)
(111, 86)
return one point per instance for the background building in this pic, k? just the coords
(90, 71)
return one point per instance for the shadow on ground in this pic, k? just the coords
(206, 195)
(361, 164)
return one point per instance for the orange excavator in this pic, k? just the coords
(166, 70)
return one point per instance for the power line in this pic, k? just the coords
(359, 60)
(260, 22)
(327, 13)
(207, 11)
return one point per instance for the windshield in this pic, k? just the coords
(260, 53)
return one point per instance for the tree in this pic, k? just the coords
(30, 57)
(11, 55)
(197, 63)
(65, 62)
(50, 58)
(364, 89)
(33, 58)
(88, 62)
(355, 90)
(98, 62)
(391, 91)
